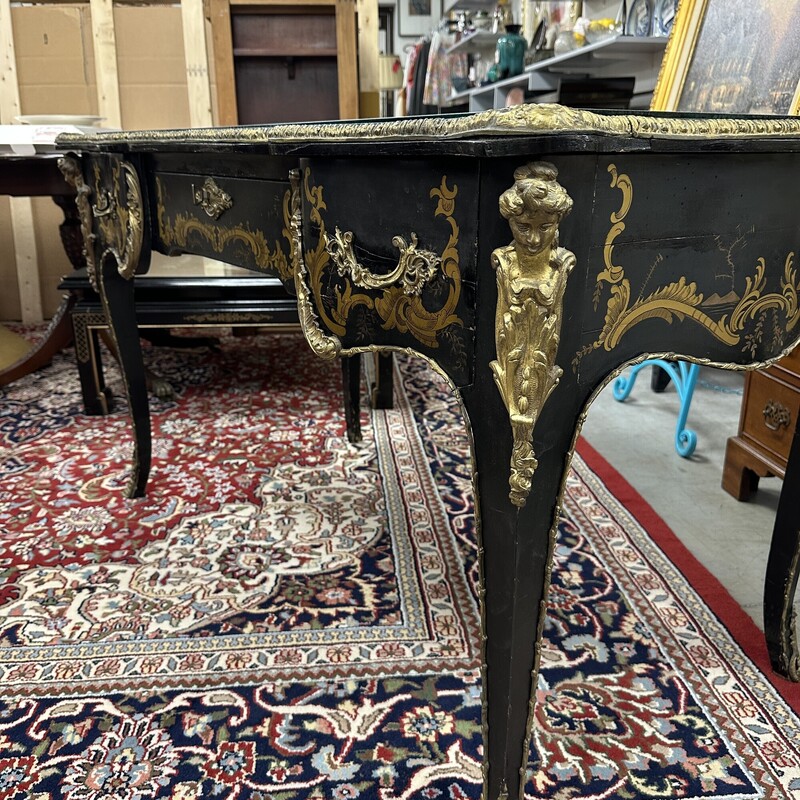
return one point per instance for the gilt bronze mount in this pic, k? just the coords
(532, 274)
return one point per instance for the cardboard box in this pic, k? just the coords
(152, 68)
(55, 59)
(56, 74)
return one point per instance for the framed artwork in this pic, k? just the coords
(418, 17)
(732, 57)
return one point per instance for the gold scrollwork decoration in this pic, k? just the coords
(532, 275)
(680, 299)
(396, 306)
(71, 170)
(119, 216)
(613, 274)
(414, 268)
(177, 233)
(106, 205)
(214, 200)
(324, 345)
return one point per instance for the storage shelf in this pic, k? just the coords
(506, 83)
(479, 40)
(467, 5)
(618, 54)
(591, 56)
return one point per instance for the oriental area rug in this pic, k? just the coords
(287, 616)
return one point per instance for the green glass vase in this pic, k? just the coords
(510, 53)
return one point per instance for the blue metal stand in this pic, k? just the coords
(684, 376)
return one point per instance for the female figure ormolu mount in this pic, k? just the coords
(531, 277)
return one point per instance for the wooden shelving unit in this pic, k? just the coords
(259, 43)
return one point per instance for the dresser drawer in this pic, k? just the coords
(771, 412)
(788, 368)
(241, 221)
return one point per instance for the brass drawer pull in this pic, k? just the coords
(776, 415)
(213, 200)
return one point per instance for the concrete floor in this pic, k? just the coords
(731, 539)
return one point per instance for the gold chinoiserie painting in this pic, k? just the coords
(731, 56)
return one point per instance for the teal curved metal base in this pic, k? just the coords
(684, 376)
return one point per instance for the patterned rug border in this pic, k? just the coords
(736, 621)
(722, 677)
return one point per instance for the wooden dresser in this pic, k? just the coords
(770, 407)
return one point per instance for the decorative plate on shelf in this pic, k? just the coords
(83, 120)
(640, 18)
(664, 16)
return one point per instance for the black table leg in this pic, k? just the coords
(516, 548)
(659, 379)
(351, 384)
(780, 584)
(383, 388)
(111, 214)
(117, 295)
(97, 397)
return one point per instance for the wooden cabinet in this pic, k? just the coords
(285, 62)
(767, 423)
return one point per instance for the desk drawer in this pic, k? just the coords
(771, 413)
(240, 221)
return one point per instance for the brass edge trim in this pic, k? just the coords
(789, 650)
(531, 119)
(226, 318)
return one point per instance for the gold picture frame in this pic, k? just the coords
(733, 57)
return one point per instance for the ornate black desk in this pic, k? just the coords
(528, 254)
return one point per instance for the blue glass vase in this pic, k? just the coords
(510, 54)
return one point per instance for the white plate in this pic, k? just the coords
(59, 119)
